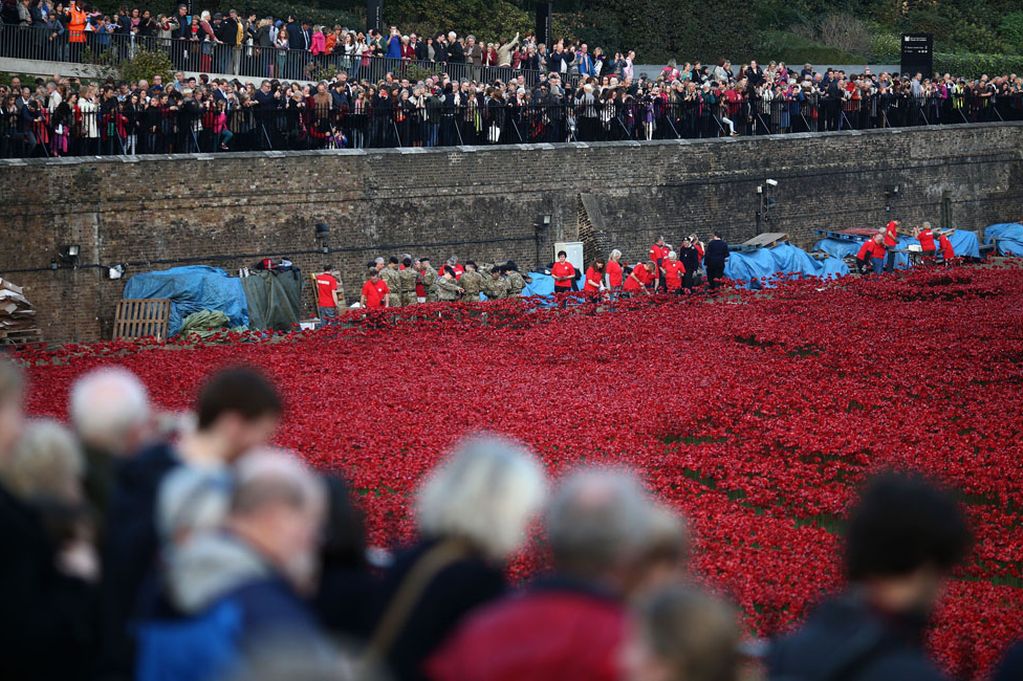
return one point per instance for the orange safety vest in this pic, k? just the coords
(76, 26)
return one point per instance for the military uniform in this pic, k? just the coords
(428, 277)
(516, 282)
(393, 279)
(472, 283)
(496, 288)
(445, 290)
(408, 277)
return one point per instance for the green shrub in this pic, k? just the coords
(975, 65)
(147, 64)
(794, 49)
(1011, 30)
(885, 48)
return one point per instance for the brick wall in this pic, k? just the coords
(156, 212)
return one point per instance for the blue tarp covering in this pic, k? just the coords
(542, 285)
(783, 259)
(1009, 235)
(965, 244)
(192, 289)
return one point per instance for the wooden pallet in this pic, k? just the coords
(765, 240)
(20, 336)
(142, 318)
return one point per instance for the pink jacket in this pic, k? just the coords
(319, 45)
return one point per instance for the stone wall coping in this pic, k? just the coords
(493, 149)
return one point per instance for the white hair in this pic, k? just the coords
(268, 475)
(616, 254)
(108, 406)
(191, 500)
(486, 492)
(600, 518)
(672, 255)
(46, 462)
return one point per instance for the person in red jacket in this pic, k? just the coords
(374, 291)
(863, 256)
(636, 280)
(926, 238)
(674, 270)
(658, 254)
(570, 626)
(877, 253)
(891, 242)
(563, 273)
(615, 273)
(948, 253)
(594, 278)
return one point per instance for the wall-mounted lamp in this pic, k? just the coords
(116, 271)
(69, 254)
(322, 234)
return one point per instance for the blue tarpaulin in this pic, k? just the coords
(1008, 236)
(758, 268)
(541, 285)
(964, 243)
(191, 289)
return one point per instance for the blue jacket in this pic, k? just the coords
(394, 47)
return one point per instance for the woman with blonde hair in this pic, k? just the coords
(472, 511)
(46, 463)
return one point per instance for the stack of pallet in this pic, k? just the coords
(17, 318)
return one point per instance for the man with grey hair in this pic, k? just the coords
(233, 590)
(110, 412)
(600, 527)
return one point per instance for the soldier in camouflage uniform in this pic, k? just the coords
(391, 276)
(427, 277)
(446, 289)
(516, 282)
(471, 282)
(408, 277)
(496, 285)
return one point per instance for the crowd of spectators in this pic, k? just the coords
(340, 88)
(144, 546)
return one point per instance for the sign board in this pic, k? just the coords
(918, 54)
(374, 14)
(574, 249)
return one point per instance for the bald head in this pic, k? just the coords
(110, 410)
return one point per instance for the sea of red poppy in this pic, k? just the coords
(757, 414)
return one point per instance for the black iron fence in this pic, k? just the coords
(111, 127)
(63, 45)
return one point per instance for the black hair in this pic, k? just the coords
(393, 260)
(407, 262)
(904, 522)
(562, 253)
(328, 268)
(240, 390)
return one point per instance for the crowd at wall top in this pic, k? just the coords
(371, 91)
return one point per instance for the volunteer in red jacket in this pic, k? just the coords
(615, 273)
(658, 254)
(374, 291)
(926, 238)
(947, 252)
(864, 255)
(877, 253)
(674, 270)
(326, 295)
(891, 242)
(563, 273)
(636, 280)
(594, 278)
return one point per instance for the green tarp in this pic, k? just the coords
(275, 299)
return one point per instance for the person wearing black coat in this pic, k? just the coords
(690, 259)
(714, 258)
(46, 612)
(456, 53)
(902, 541)
(440, 49)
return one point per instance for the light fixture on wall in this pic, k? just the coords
(69, 254)
(116, 271)
(322, 234)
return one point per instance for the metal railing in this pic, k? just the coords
(253, 61)
(186, 125)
